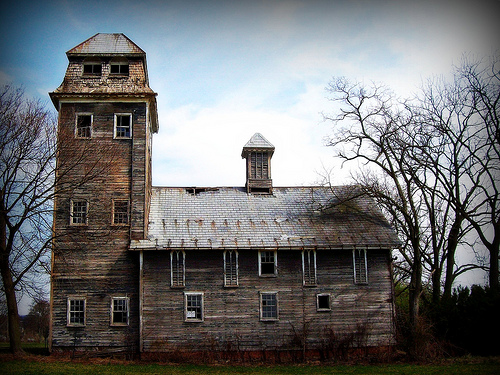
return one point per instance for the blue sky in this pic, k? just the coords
(224, 70)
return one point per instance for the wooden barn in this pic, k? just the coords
(248, 269)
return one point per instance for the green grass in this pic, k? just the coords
(67, 367)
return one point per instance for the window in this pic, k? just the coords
(323, 302)
(119, 311)
(230, 268)
(259, 165)
(119, 66)
(193, 307)
(76, 311)
(267, 263)
(360, 268)
(177, 268)
(120, 212)
(92, 68)
(309, 267)
(83, 125)
(79, 211)
(123, 125)
(268, 306)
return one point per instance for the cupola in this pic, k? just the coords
(258, 152)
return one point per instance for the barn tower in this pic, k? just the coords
(107, 115)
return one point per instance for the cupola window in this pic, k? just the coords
(92, 66)
(119, 66)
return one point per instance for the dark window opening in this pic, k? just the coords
(267, 263)
(120, 212)
(323, 302)
(92, 68)
(123, 126)
(119, 68)
(120, 311)
(84, 126)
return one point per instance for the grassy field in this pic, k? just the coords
(40, 365)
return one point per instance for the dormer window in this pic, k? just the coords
(119, 66)
(92, 66)
(258, 152)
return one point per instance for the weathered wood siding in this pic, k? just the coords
(231, 315)
(92, 261)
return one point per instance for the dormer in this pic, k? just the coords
(258, 152)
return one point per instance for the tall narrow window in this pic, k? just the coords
(360, 267)
(309, 267)
(83, 127)
(76, 311)
(120, 212)
(119, 311)
(230, 268)
(268, 263)
(193, 307)
(177, 268)
(269, 306)
(79, 211)
(259, 164)
(123, 125)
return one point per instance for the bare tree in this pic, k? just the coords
(28, 177)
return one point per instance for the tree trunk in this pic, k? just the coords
(8, 284)
(494, 274)
(450, 257)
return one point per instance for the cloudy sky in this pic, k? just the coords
(224, 70)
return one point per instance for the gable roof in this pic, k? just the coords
(106, 44)
(291, 218)
(257, 143)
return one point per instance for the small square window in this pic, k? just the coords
(119, 311)
(83, 125)
(79, 211)
(76, 311)
(120, 212)
(123, 126)
(193, 307)
(323, 302)
(267, 263)
(269, 306)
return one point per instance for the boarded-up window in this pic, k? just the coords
(83, 125)
(269, 306)
(267, 263)
(76, 311)
(120, 212)
(259, 165)
(177, 268)
(360, 267)
(194, 307)
(309, 267)
(119, 311)
(79, 210)
(230, 268)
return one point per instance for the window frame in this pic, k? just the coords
(81, 114)
(196, 319)
(72, 212)
(92, 62)
(360, 262)
(324, 309)
(112, 312)
(114, 213)
(275, 262)
(181, 270)
(234, 262)
(116, 126)
(119, 62)
(259, 165)
(307, 280)
(69, 312)
(261, 306)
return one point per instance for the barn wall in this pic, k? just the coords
(93, 261)
(231, 315)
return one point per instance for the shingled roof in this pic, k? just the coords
(291, 218)
(106, 44)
